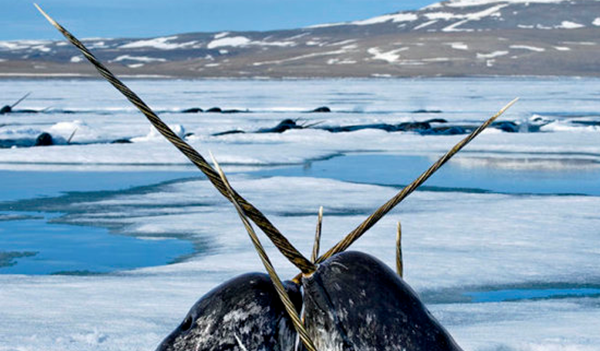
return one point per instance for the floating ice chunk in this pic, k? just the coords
(83, 132)
(562, 126)
(154, 135)
(596, 22)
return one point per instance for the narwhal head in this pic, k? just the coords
(244, 312)
(353, 301)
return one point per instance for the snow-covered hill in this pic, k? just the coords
(451, 38)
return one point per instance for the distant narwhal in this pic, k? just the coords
(9, 108)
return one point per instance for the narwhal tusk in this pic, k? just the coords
(284, 246)
(399, 261)
(19, 101)
(383, 210)
(315, 252)
(289, 306)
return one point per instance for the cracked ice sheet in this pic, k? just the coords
(450, 240)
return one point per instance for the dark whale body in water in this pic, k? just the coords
(246, 308)
(5, 109)
(355, 302)
(44, 139)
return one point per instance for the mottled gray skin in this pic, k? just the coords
(247, 307)
(355, 302)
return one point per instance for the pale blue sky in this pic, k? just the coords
(146, 18)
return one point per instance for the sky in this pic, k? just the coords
(149, 18)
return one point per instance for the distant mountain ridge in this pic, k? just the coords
(450, 38)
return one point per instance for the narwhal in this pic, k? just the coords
(9, 108)
(351, 300)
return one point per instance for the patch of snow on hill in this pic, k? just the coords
(475, 16)
(273, 43)
(344, 50)
(97, 45)
(491, 54)
(458, 46)
(440, 15)
(161, 43)
(397, 17)
(569, 25)
(221, 35)
(231, 41)
(240, 41)
(12, 45)
(527, 47)
(426, 24)
(468, 3)
(138, 58)
(389, 56)
(596, 22)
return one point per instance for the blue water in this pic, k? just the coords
(401, 170)
(48, 248)
(15, 185)
(60, 248)
(529, 294)
(34, 245)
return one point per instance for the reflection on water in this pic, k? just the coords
(536, 176)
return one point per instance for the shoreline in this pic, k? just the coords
(78, 76)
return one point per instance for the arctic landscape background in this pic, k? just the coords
(108, 236)
(454, 38)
